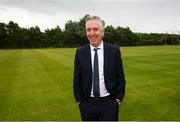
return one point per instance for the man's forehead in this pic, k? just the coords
(92, 24)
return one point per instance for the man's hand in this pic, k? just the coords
(118, 101)
(78, 103)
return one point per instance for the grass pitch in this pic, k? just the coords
(36, 84)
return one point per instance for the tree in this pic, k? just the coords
(110, 35)
(13, 31)
(76, 32)
(74, 35)
(54, 37)
(35, 36)
(3, 35)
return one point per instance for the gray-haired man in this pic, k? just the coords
(99, 82)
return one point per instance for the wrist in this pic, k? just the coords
(118, 101)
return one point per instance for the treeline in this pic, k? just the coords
(74, 35)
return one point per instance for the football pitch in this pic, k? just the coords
(36, 84)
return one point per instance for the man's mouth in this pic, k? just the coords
(93, 38)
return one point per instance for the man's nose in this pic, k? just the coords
(91, 32)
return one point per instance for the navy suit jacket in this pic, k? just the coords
(113, 72)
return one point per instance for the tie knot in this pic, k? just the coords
(95, 49)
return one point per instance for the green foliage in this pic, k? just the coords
(158, 39)
(3, 35)
(53, 38)
(74, 35)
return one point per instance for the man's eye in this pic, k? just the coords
(88, 30)
(95, 29)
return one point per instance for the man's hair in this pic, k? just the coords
(102, 23)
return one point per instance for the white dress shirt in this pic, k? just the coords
(100, 51)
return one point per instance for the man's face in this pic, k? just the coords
(94, 32)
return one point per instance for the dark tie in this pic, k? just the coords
(96, 75)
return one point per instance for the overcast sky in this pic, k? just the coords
(148, 16)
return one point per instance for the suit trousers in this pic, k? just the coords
(99, 109)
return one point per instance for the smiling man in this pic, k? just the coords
(99, 82)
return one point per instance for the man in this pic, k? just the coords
(99, 82)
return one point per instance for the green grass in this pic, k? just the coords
(36, 84)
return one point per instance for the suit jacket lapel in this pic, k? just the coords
(106, 59)
(88, 60)
(89, 67)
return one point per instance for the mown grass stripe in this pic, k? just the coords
(36, 84)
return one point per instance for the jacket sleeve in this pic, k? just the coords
(120, 77)
(77, 78)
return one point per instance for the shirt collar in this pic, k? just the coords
(100, 46)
